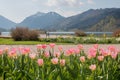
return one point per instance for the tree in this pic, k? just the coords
(116, 33)
(24, 34)
(80, 33)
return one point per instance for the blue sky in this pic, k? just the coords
(17, 10)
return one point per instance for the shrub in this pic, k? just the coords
(91, 40)
(33, 35)
(79, 33)
(116, 33)
(24, 34)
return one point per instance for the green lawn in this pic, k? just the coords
(74, 40)
(12, 42)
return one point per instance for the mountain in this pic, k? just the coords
(6, 23)
(42, 20)
(93, 20)
(107, 19)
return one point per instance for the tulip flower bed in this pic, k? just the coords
(71, 64)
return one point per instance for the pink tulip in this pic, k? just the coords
(114, 55)
(25, 51)
(57, 54)
(12, 53)
(40, 62)
(80, 46)
(95, 46)
(1, 52)
(92, 67)
(44, 46)
(82, 58)
(70, 52)
(60, 48)
(100, 58)
(32, 56)
(109, 52)
(54, 61)
(52, 45)
(89, 57)
(47, 54)
(92, 52)
(101, 50)
(77, 51)
(112, 48)
(105, 53)
(39, 46)
(62, 62)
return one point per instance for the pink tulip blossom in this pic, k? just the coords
(114, 55)
(62, 62)
(80, 46)
(105, 52)
(60, 48)
(92, 67)
(39, 46)
(112, 48)
(40, 62)
(101, 50)
(100, 58)
(12, 53)
(95, 46)
(77, 51)
(52, 45)
(70, 51)
(82, 58)
(1, 52)
(25, 51)
(89, 57)
(44, 46)
(47, 54)
(57, 54)
(54, 61)
(32, 56)
(92, 52)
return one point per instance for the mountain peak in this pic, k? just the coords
(53, 13)
(42, 20)
(39, 14)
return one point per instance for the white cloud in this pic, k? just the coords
(90, 2)
(70, 3)
(51, 3)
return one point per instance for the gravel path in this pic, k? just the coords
(33, 47)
